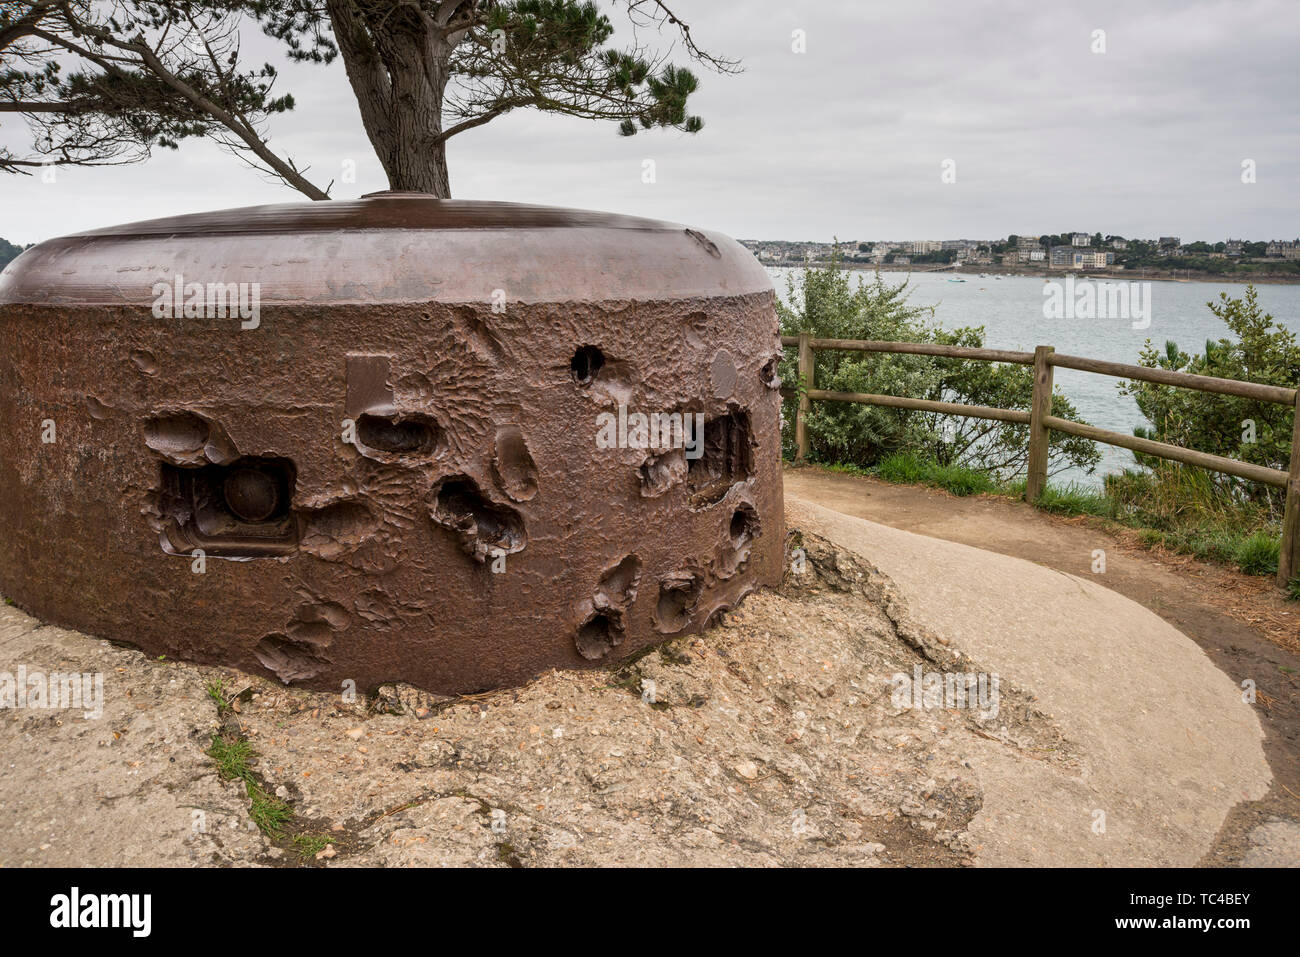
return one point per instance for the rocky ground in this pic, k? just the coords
(772, 739)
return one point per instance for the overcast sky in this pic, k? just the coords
(846, 139)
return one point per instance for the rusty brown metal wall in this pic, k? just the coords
(394, 472)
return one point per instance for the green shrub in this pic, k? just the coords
(1260, 350)
(1183, 508)
(1258, 554)
(826, 303)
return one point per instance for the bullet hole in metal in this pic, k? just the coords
(619, 583)
(705, 242)
(744, 523)
(598, 636)
(659, 473)
(315, 624)
(727, 458)
(96, 408)
(179, 434)
(679, 592)
(586, 364)
(479, 335)
(483, 527)
(289, 659)
(398, 434)
(337, 529)
(144, 362)
(513, 465)
(735, 550)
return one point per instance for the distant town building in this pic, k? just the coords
(1068, 257)
(1093, 258)
(1025, 256)
(1077, 252)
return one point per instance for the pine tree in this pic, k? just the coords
(106, 82)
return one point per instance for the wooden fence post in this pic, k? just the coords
(1288, 559)
(1039, 434)
(805, 404)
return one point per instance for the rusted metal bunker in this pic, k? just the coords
(389, 439)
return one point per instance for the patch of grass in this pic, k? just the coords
(233, 759)
(908, 468)
(1181, 513)
(904, 468)
(1293, 589)
(1258, 554)
(963, 481)
(309, 845)
(1151, 537)
(217, 692)
(269, 813)
(1074, 499)
(9, 602)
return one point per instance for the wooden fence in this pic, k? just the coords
(1041, 422)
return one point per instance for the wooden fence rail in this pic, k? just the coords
(1041, 422)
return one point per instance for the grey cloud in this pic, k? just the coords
(848, 138)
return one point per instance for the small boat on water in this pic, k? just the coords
(956, 280)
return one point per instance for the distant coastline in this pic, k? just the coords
(1131, 275)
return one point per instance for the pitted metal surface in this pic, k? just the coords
(371, 441)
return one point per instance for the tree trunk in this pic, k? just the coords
(399, 74)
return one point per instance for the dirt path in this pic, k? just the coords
(1240, 622)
